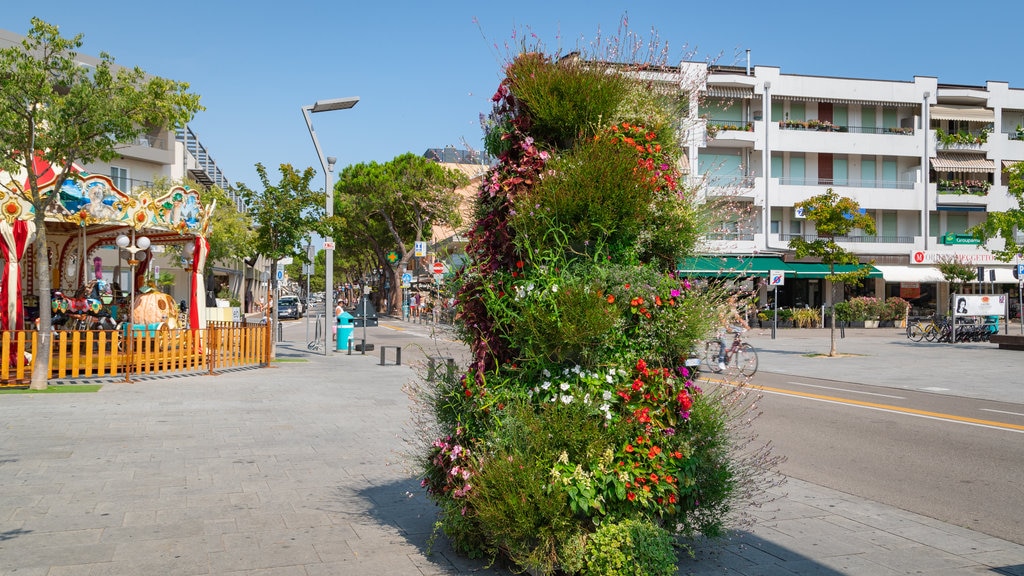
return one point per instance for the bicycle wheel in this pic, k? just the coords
(711, 351)
(746, 360)
(915, 332)
(931, 333)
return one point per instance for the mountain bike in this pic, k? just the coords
(740, 356)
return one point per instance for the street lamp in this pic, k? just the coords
(132, 245)
(328, 165)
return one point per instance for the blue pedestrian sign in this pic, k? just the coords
(406, 280)
(1019, 274)
(776, 278)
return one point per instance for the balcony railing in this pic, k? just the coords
(730, 182)
(962, 187)
(848, 183)
(126, 185)
(732, 236)
(715, 126)
(854, 239)
(819, 126)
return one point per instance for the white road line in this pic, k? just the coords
(846, 390)
(1001, 412)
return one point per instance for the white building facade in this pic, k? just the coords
(923, 158)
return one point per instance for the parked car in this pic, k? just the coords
(289, 307)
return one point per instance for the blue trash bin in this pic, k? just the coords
(345, 329)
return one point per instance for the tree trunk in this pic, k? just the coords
(272, 313)
(832, 332)
(41, 366)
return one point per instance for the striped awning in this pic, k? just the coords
(1008, 163)
(731, 92)
(879, 103)
(953, 162)
(966, 113)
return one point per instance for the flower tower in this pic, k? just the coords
(575, 440)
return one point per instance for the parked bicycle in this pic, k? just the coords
(919, 330)
(740, 356)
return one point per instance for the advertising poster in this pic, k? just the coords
(979, 305)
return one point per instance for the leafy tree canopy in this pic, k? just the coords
(1008, 224)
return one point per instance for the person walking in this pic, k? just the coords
(337, 313)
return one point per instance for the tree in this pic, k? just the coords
(1009, 224)
(833, 215)
(956, 271)
(283, 216)
(56, 112)
(393, 205)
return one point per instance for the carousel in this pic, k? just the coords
(100, 246)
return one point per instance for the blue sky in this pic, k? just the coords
(425, 71)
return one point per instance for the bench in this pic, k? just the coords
(384, 352)
(434, 365)
(1008, 341)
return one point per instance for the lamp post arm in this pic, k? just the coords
(316, 143)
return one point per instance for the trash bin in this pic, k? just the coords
(345, 329)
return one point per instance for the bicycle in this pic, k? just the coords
(929, 331)
(740, 355)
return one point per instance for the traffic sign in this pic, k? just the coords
(280, 275)
(406, 278)
(419, 249)
(329, 245)
(1018, 272)
(776, 278)
(438, 268)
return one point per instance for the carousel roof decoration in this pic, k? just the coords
(87, 200)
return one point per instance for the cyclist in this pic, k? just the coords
(729, 319)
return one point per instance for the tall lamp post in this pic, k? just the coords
(328, 165)
(132, 245)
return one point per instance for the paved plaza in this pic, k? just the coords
(301, 470)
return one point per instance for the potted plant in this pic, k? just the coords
(895, 310)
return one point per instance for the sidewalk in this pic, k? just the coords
(299, 469)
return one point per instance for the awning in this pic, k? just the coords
(1008, 163)
(967, 113)
(819, 270)
(960, 208)
(730, 92)
(878, 103)
(954, 162)
(911, 274)
(731, 267)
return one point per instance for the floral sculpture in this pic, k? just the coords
(575, 441)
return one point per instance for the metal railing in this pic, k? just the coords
(854, 239)
(894, 131)
(848, 183)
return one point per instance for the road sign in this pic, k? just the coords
(420, 249)
(776, 278)
(438, 278)
(406, 278)
(280, 275)
(438, 267)
(392, 257)
(1018, 272)
(329, 245)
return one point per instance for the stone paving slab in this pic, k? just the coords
(298, 470)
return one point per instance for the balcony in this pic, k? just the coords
(826, 126)
(848, 183)
(963, 187)
(854, 239)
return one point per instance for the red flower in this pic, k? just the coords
(654, 451)
(627, 286)
(630, 496)
(637, 385)
(519, 264)
(672, 498)
(654, 477)
(657, 300)
(684, 400)
(677, 454)
(641, 366)
(629, 448)
(611, 298)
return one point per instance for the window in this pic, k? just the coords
(798, 111)
(867, 173)
(776, 217)
(840, 171)
(867, 118)
(797, 170)
(796, 226)
(120, 178)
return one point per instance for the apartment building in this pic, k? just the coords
(923, 158)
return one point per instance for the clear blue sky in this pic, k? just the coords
(425, 71)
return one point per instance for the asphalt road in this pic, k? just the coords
(952, 458)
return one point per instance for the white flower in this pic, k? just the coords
(529, 287)
(546, 385)
(586, 399)
(607, 395)
(554, 288)
(576, 368)
(566, 399)
(564, 386)
(520, 293)
(546, 373)
(604, 408)
(608, 378)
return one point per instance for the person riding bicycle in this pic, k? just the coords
(729, 320)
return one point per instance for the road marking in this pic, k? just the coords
(889, 408)
(847, 390)
(1001, 411)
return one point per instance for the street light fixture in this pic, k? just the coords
(132, 245)
(328, 165)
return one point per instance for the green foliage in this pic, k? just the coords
(1005, 225)
(630, 547)
(957, 271)
(566, 101)
(806, 317)
(894, 309)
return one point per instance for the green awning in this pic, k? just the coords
(731, 267)
(819, 270)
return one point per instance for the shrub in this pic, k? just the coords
(806, 317)
(630, 547)
(865, 308)
(894, 308)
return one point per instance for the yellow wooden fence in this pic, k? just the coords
(84, 354)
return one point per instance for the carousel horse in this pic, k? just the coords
(86, 310)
